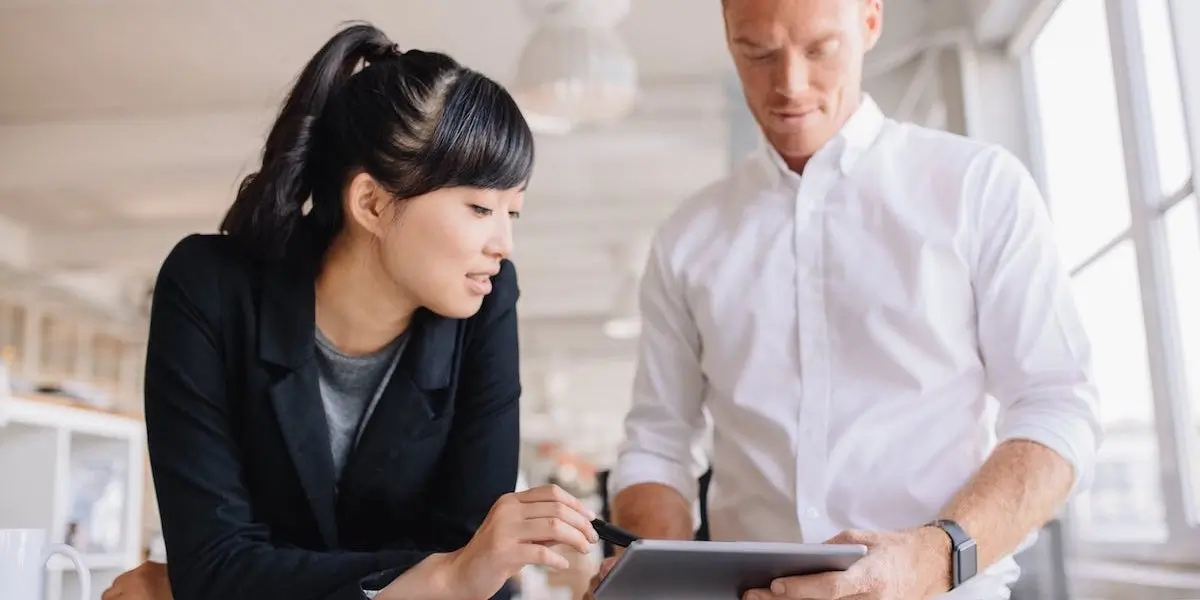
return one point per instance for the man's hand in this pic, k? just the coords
(601, 573)
(147, 581)
(906, 565)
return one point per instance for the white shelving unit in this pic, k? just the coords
(45, 445)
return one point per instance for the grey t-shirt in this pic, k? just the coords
(350, 387)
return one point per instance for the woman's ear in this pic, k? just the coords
(367, 203)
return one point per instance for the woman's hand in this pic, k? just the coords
(147, 581)
(519, 531)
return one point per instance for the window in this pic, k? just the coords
(1166, 99)
(1076, 100)
(1183, 238)
(1088, 193)
(1129, 507)
(1171, 168)
(1119, 175)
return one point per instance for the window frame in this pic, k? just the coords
(1173, 420)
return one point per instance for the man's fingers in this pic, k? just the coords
(607, 566)
(820, 586)
(762, 595)
(853, 536)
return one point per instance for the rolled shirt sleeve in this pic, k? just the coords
(666, 420)
(1032, 340)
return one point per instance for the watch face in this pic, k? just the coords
(968, 563)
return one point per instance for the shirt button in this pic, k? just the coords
(812, 513)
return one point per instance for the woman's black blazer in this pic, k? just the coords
(239, 446)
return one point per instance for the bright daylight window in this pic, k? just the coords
(1182, 218)
(1088, 187)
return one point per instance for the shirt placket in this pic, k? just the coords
(812, 331)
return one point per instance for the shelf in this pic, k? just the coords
(81, 470)
(54, 412)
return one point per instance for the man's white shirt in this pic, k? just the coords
(861, 337)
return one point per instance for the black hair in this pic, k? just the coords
(415, 121)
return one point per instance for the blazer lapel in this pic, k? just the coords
(416, 396)
(286, 330)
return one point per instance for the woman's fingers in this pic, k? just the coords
(562, 512)
(547, 516)
(549, 530)
(553, 493)
(535, 554)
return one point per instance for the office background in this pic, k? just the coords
(126, 124)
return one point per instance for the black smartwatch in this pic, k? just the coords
(964, 560)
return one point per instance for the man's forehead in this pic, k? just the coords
(796, 16)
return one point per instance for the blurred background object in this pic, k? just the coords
(125, 125)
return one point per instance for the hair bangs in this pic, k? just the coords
(481, 139)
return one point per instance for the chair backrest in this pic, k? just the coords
(1044, 567)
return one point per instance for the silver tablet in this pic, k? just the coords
(663, 570)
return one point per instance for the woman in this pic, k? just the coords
(332, 387)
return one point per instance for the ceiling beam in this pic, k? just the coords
(1030, 26)
(667, 109)
(140, 247)
(996, 21)
(34, 156)
(93, 296)
(170, 157)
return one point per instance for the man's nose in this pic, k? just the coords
(791, 76)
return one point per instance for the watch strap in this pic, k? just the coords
(964, 561)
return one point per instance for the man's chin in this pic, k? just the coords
(793, 146)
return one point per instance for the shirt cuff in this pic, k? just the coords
(1074, 440)
(638, 467)
(374, 583)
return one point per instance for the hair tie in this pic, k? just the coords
(383, 53)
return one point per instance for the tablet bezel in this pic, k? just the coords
(717, 569)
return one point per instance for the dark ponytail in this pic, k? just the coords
(382, 119)
(269, 203)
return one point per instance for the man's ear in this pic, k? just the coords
(367, 203)
(872, 20)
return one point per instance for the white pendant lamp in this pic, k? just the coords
(575, 69)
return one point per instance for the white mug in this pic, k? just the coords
(23, 557)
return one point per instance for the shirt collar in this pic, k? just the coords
(855, 136)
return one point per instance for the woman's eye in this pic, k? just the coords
(514, 214)
(482, 211)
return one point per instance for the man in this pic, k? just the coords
(843, 305)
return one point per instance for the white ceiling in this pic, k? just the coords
(126, 124)
(135, 124)
(65, 59)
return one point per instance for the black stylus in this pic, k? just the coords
(613, 534)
